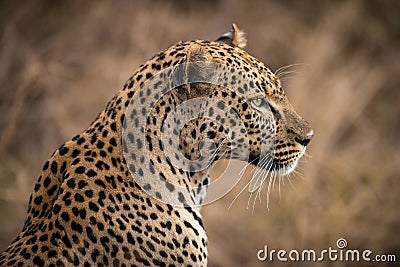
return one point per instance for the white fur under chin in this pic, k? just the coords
(288, 169)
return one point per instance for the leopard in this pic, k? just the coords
(128, 190)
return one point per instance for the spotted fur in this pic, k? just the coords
(86, 209)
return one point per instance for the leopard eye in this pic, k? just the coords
(259, 102)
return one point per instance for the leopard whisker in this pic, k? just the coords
(241, 191)
(283, 73)
(258, 175)
(247, 164)
(267, 173)
(287, 78)
(264, 174)
(286, 67)
(271, 181)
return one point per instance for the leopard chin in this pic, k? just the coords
(285, 169)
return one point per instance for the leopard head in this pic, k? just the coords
(213, 100)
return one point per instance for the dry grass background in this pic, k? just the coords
(60, 62)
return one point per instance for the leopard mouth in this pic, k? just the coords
(281, 167)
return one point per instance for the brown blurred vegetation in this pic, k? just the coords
(60, 62)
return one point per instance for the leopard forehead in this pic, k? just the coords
(262, 78)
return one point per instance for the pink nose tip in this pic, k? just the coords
(306, 140)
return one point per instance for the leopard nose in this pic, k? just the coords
(306, 140)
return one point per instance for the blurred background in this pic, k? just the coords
(61, 61)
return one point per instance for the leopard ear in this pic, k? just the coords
(234, 37)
